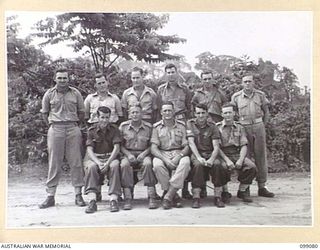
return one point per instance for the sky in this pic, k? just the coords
(281, 37)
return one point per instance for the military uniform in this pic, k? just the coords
(147, 101)
(213, 100)
(170, 142)
(232, 139)
(136, 141)
(203, 137)
(64, 135)
(179, 95)
(251, 117)
(102, 141)
(94, 101)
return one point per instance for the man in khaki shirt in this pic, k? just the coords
(253, 112)
(171, 163)
(135, 147)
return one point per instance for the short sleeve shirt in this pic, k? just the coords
(147, 101)
(169, 138)
(136, 139)
(213, 100)
(203, 136)
(103, 140)
(180, 96)
(232, 135)
(94, 101)
(62, 107)
(249, 107)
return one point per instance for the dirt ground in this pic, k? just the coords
(292, 205)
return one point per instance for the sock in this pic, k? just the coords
(243, 187)
(217, 191)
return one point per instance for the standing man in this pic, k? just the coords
(179, 94)
(204, 138)
(135, 147)
(139, 94)
(253, 111)
(102, 98)
(63, 110)
(170, 148)
(233, 151)
(103, 147)
(210, 95)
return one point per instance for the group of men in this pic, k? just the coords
(170, 137)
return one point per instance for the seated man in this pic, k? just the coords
(204, 137)
(169, 147)
(233, 151)
(135, 147)
(103, 147)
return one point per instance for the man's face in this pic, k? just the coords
(135, 114)
(103, 119)
(101, 84)
(248, 83)
(62, 79)
(172, 75)
(228, 113)
(207, 79)
(136, 79)
(201, 114)
(167, 112)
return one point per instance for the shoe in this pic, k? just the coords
(114, 207)
(177, 202)
(120, 199)
(248, 191)
(203, 192)
(196, 203)
(92, 207)
(127, 204)
(186, 195)
(243, 195)
(79, 201)
(265, 193)
(153, 203)
(225, 197)
(218, 202)
(166, 204)
(49, 202)
(99, 196)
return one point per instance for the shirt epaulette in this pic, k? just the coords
(259, 92)
(124, 123)
(237, 93)
(92, 127)
(181, 122)
(157, 124)
(193, 120)
(218, 123)
(148, 124)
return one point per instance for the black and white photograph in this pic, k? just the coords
(158, 119)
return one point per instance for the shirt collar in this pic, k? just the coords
(56, 89)
(132, 127)
(131, 90)
(223, 124)
(180, 85)
(96, 94)
(249, 96)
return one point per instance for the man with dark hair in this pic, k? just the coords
(103, 147)
(102, 97)
(204, 137)
(233, 150)
(135, 147)
(170, 148)
(210, 95)
(63, 109)
(253, 112)
(141, 95)
(180, 95)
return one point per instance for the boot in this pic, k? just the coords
(127, 198)
(49, 202)
(152, 198)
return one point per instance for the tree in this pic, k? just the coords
(109, 36)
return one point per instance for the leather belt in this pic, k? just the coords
(251, 121)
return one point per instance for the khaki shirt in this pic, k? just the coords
(203, 137)
(147, 101)
(135, 139)
(103, 141)
(169, 138)
(180, 96)
(213, 100)
(94, 101)
(234, 135)
(62, 107)
(249, 107)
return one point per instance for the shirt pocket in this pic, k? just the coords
(55, 104)
(143, 141)
(244, 109)
(178, 136)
